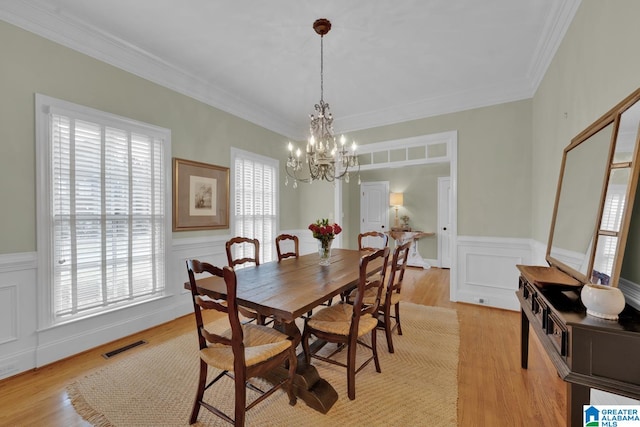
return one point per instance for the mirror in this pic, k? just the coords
(582, 178)
(597, 186)
(629, 143)
(610, 225)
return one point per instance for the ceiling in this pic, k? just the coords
(385, 61)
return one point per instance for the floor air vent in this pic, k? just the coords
(123, 349)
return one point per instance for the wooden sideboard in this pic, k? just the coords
(587, 352)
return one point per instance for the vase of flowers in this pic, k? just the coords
(324, 232)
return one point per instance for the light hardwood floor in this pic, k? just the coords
(493, 389)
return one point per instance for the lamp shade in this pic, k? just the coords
(396, 199)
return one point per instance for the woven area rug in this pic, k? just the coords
(418, 384)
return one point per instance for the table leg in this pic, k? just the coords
(577, 395)
(524, 340)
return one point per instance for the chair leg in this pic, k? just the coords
(241, 397)
(374, 348)
(388, 330)
(351, 369)
(398, 318)
(202, 381)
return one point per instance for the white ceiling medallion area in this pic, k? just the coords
(55, 20)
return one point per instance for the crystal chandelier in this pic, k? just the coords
(324, 157)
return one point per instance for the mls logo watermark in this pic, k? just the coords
(611, 415)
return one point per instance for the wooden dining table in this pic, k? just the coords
(286, 291)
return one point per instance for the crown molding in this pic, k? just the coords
(556, 26)
(69, 32)
(90, 41)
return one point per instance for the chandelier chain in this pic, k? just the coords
(321, 68)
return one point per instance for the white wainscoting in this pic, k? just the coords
(17, 307)
(486, 270)
(487, 273)
(24, 347)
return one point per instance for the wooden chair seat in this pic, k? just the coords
(337, 320)
(260, 344)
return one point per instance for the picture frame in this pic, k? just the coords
(200, 196)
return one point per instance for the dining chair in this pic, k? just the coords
(244, 245)
(364, 238)
(250, 253)
(390, 297)
(346, 324)
(242, 352)
(284, 239)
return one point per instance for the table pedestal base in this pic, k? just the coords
(316, 392)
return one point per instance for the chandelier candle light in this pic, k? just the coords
(324, 158)
(324, 232)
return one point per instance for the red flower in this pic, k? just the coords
(323, 230)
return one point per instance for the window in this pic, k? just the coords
(255, 195)
(611, 218)
(102, 214)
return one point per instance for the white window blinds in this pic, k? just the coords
(255, 180)
(107, 212)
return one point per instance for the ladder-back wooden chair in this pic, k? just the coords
(346, 324)
(246, 245)
(281, 241)
(380, 238)
(390, 297)
(252, 246)
(241, 352)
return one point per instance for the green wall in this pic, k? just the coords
(595, 67)
(33, 64)
(420, 187)
(508, 155)
(494, 170)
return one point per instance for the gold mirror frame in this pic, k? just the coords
(603, 239)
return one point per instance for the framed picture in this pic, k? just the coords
(200, 196)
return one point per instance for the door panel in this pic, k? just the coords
(374, 207)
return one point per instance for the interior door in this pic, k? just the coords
(444, 222)
(374, 207)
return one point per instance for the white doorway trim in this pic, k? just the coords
(444, 218)
(450, 140)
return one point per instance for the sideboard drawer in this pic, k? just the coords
(557, 331)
